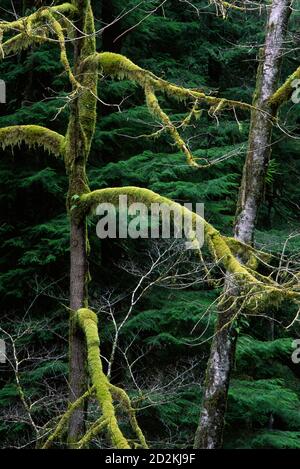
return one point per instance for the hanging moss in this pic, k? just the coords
(22, 42)
(24, 24)
(261, 291)
(121, 67)
(87, 102)
(32, 135)
(155, 109)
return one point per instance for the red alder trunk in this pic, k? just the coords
(209, 434)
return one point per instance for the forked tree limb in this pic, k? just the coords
(88, 322)
(63, 422)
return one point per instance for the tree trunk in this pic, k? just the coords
(209, 434)
(77, 346)
(79, 136)
(78, 277)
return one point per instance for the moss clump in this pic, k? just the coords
(32, 135)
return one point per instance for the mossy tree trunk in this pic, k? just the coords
(209, 434)
(79, 135)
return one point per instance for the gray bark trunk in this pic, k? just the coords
(209, 434)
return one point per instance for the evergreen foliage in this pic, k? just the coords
(191, 50)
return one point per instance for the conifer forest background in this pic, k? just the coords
(156, 346)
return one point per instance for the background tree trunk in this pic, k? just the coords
(209, 434)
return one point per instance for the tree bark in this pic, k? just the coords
(79, 136)
(209, 434)
(77, 346)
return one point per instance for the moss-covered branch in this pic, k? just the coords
(62, 424)
(87, 101)
(124, 400)
(95, 429)
(285, 91)
(118, 66)
(58, 30)
(260, 290)
(155, 109)
(87, 320)
(36, 28)
(32, 135)
(25, 23)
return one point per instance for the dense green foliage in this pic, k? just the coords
(168, 328)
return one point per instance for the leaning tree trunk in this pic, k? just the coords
(209, 434)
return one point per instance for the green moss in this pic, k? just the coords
(87, 102)
(25, 24)
(62, 424)
(284, 92)
(155, 109)
(88, 322)
(121, 395)
(262, 291)
(32, 135)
